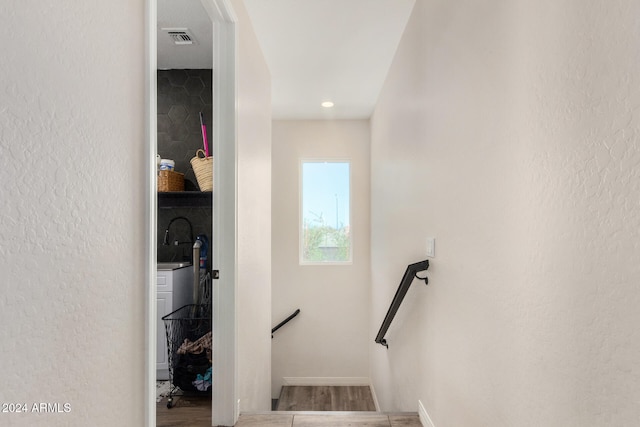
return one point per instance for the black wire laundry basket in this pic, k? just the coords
(189, 345)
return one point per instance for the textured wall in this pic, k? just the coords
(72, 212)
(328, 338)
(509, 131)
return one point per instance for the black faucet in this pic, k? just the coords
(165, 242)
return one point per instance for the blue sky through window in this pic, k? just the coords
(325, 194)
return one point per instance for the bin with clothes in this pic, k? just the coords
(189, 346)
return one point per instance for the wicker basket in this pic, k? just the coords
(170, 181)
(203, 169)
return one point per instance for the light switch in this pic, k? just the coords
(431, 247)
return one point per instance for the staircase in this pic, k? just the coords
(326, 398)
(333, 406)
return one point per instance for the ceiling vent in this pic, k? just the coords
(180, 36)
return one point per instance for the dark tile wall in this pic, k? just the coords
(182, 95)
(200, 219)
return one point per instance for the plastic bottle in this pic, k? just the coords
(204, 250)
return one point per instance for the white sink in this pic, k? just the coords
(163, 266)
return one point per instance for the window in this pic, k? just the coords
(325, 235)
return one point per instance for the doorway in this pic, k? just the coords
(222, 132)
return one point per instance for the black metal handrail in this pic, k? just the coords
(285, 321)
(409, 274)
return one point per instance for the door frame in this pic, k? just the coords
(224, 135)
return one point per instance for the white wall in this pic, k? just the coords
(329, 337)
(509, 132)
(72, 213)
(254, 221)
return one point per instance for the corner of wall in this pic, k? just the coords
(374, 396)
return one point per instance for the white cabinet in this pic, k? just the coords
(174, 289)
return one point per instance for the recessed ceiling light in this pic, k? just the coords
(327, 104)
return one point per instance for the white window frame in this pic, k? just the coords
(301, 261)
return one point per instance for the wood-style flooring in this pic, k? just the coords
(188, 411)
(325, 398)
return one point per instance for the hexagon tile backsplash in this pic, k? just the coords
(182, 95)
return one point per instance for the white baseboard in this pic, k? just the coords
(326, 381)
(425, 420)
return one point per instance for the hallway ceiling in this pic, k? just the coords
(338, 50)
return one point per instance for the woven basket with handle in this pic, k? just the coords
(203, 169)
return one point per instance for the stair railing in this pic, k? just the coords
(409, 274)
(285, 321)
